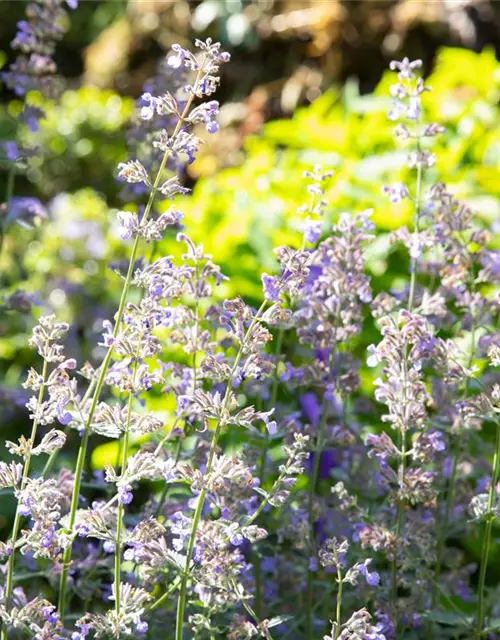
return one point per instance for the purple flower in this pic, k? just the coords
(373, 359)
(49, 537)
(436, 441)
(25, 506)
(212, 126)
(310, 407)
(395, 113)
(149, 107)
(50, 614)
(271, 288)
(413, 111)
(11, 149)
(373, 578)
(235, 538)
(64, 417)
(210, 112)
(83, 633)
(141, 626)
(271, 427)
(24, 209)
(176, 61)
(396, 192)
(312, 230)
(109, 546)
(125, 495)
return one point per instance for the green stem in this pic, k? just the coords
(487, 537)
(104, 368)
(258, 583)
(11, 176)
(119, 524)
(411, 300)
(338, 619)
(444, 528)
(443, 531)
(181, 603)
(166, 488)
(399, 526)
(17, 518)
(165, 596)
(253, 614)
(262, 474)
(416, 222)
(274, 397)
(312, 494)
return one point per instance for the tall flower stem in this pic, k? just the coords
(82, 453)
(411, 302)
(450, 498)
(181, 603)
(11, 176)
(262, 475)
(416, 230)
(399, 522)
(312, 492)
(338, 615)
(119, 524)
(487, 537)
(9, 584)
(274, 397)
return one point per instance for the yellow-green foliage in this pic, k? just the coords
(241, 213)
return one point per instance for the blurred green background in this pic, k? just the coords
(306, 85)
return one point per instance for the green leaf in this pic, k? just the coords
(274, 622)
(449, 618)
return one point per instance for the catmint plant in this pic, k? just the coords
(265, 485)
(33, 70)
(131, 337)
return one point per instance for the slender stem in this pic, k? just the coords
(399, 526)
(166, 488)
(312, 492)
(338, 618)
(119, 524)
(443, 530)
(262, 474)
(258, 583)
(17, 518)
(487, 536)
(11, 176)
(181, 603)
(416, 223)
(104, 368)
(195, 376)
(249, 521)
(165, 596)
(411, 300)
(274, 396)
(265, 632)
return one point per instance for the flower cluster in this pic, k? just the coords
(36, 38)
